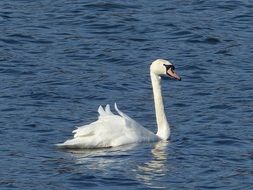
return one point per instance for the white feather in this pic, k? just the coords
(112, 130)
(109, 130)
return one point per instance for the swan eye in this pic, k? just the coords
(172, 67)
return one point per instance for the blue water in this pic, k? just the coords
(59, 60)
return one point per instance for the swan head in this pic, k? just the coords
(164, 68)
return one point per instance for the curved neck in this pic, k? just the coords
(162, 123)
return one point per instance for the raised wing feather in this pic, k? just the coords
(109, 130)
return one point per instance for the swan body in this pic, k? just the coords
(111, 130)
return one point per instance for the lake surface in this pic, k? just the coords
(59, 60)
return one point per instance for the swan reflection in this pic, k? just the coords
(155, 167)
(102, 159)
(143, 163)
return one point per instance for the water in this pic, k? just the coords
(59, 60)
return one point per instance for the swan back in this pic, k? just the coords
(109, 130)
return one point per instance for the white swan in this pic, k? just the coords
(112, 130)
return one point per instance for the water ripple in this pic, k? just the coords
(59, 60)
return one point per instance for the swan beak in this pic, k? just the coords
(171, 73)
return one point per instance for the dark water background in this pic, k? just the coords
(59, 60)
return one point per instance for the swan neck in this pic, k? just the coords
(161, 120)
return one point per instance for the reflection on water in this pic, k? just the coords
(60, 59)
(101, 159)
(156, 167)
(148, 166)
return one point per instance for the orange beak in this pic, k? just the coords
(172, 74)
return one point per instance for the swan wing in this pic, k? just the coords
(135, 130)
(108, 131)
